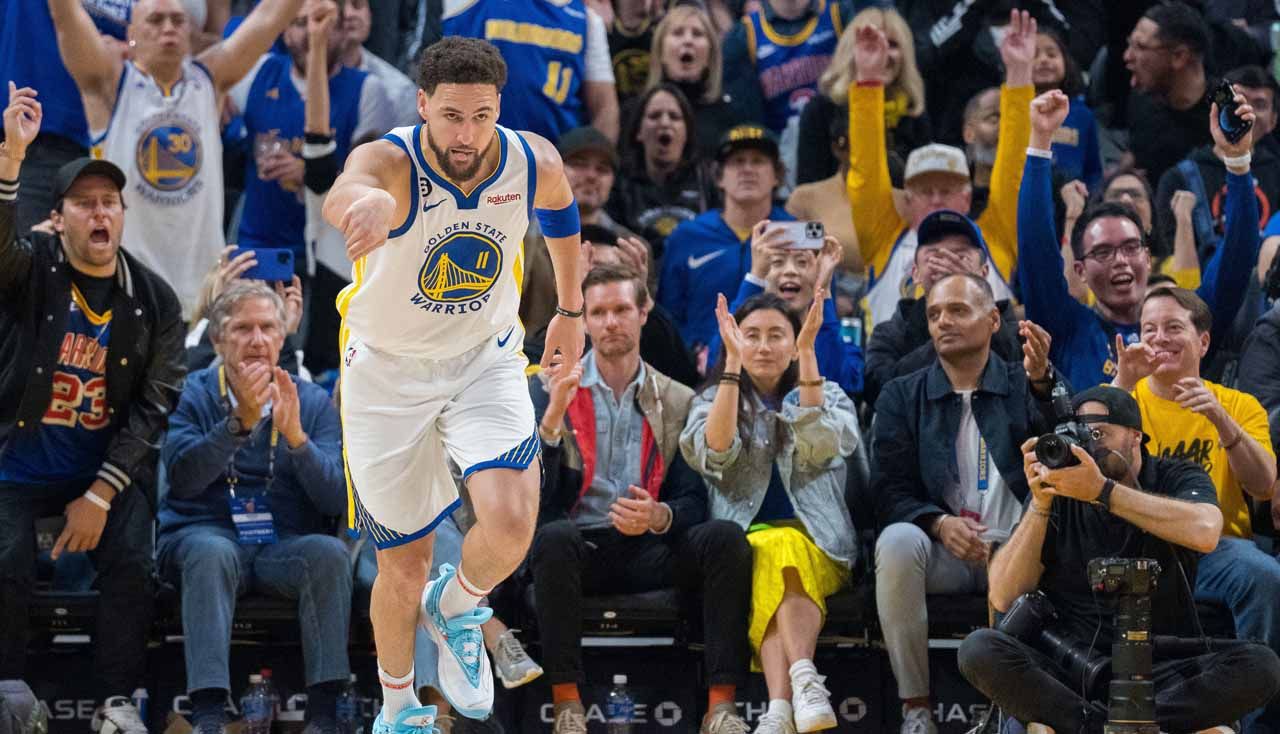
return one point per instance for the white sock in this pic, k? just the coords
(780, 706)
(802, 667)
(460, 595)
(398, 694)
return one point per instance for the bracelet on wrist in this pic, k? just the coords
(734, 377)
(570, 314)
(1239, 161)
(815, 382)
(102, 504)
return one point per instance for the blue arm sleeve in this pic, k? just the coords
(1224, 290)
(746, 290)
(839, 362)
(559, 222)
(1044, 289)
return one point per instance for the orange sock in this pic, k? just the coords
(720, 694)
(564, 692)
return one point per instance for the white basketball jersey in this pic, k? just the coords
(169, 145)
(895, 283)
(449, 276)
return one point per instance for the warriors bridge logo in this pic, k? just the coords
(460, 271)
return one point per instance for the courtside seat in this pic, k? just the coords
(655, 613)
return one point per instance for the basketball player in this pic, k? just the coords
(434, 217)
(158, 117)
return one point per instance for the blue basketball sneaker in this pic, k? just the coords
(417, 720)
(466, 679)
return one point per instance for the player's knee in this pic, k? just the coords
(513, 521)
(402, 575)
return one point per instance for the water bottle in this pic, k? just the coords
(620, 708)
(255, 707)
(140, 701)
(273, 695)
(348, 709)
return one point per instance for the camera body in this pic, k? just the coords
(1131, 694)
(1054, 449)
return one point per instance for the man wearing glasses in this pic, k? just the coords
(1112, 255)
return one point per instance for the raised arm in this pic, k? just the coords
(1225, 292)
(94, 66)
(320, 151)
(875, 218)
(557, 213)
(230, 60)
(1044, 289)
(22, 116)
(999, 221)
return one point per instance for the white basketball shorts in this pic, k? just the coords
(403, 418)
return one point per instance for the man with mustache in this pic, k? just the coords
(434, 216)
(1129, 504)
(1222, 430)
(1113, 255)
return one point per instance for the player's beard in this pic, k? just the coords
(446, 164)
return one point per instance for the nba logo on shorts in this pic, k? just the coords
(351, 354)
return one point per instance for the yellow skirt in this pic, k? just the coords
(778, 548)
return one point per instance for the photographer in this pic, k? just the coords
(1135, 505)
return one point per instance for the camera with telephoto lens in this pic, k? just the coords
(1054, 449)
(1131, 706)
(1131, 701)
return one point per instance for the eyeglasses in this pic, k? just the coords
(1104, 254)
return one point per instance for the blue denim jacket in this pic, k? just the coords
(809, 452)
(917, 420)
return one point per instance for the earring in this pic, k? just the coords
(132, 43)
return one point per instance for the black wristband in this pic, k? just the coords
(1104, 497)
(571, 314)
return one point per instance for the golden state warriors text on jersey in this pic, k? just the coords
(462, 264)
(449, 275)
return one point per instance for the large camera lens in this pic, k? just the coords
(1054, 451)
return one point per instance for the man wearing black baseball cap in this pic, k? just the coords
(948, 242)
(91, 364)
(710, 254)
(1136, 506)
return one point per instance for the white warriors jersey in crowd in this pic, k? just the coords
(168, 143)
(449, 276)
(895, 282)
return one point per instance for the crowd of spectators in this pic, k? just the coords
(1014, 197)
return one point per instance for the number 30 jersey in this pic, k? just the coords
(448, 277)
(169, 145)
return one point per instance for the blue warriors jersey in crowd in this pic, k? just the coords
(789, 66)
(274, 115)
(544, 44)
(70, 442)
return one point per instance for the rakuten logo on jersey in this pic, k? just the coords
(496, 199)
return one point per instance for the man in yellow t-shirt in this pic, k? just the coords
(1225, 432)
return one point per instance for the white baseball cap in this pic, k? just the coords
(936, 158)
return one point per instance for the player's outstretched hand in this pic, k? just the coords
(565, 336)
(367, 223)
